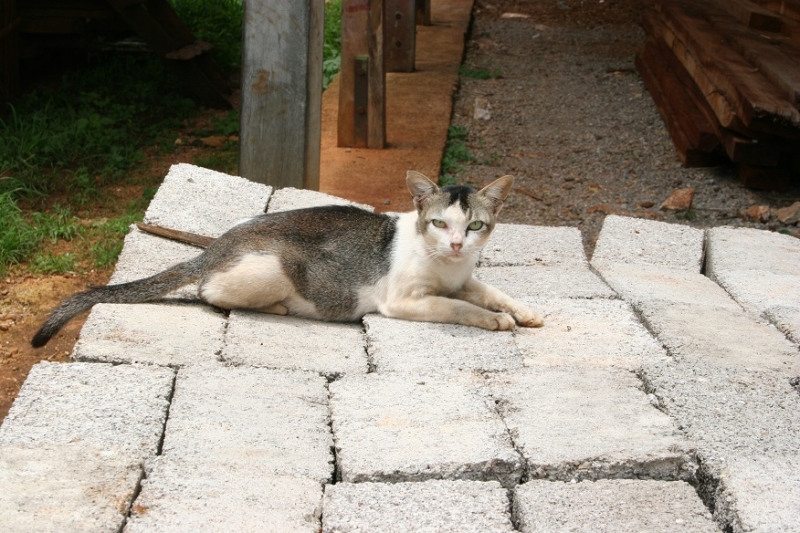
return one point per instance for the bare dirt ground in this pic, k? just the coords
(570, 118)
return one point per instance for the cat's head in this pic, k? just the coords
(456, 220)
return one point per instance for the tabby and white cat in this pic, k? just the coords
(340, 262)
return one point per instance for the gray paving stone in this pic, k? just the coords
(640, 241)
(786, 319)
(424, 347)
(144, 255)
(587, 333)
(202, 201)
(751, 249)
(559, 281)
(760, 494)
(516, 245)
(726, 337)
(257, 339)
(396, 427)
(205, 497)
(57, 489)
(91, 405)
(728, 411)
(758, 291)
(591, 424)
(273, 420)
(163, 334)
(639, 283)
(610, 506)
(430, 506)
(291, 198)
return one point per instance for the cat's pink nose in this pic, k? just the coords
(456, 246)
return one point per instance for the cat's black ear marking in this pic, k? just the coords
(421, 188)
(497, 191)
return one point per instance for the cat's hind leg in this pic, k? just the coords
(255, 282)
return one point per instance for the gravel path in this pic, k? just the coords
(572, 120)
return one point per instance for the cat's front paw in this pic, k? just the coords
(500, 322)
(529, 319)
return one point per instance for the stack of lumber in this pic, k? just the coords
(725, 75)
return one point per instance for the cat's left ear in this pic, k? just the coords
(421, 188)
(497, 191)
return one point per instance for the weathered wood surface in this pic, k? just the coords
(281, 92)
(752, 15)
(400, 35)
(362, 37)
(786, 8)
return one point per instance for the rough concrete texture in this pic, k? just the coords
(200, 497)
(751, 249)
(144, 255)
(595, 423)
(273, 420)
(516, 245)
(56, 489)
(91, 405)
(257, 339)
(291, 198)
(423, 347)
(205, 202)
(430, 506)
(640, 241)
(638, 284)
(396, 427)
(726, 337)
(786, 319)
(163, 334)
(758, 291)
(587, 333)
(546, 281)
(610, 506)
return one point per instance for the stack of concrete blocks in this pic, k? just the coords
(177, 417)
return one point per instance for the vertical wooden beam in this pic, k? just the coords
(362, 37)
(423, 12)
(400, 35)
(282, 92)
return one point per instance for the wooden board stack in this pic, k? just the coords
(725, 75)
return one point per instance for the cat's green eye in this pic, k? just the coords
(475, 225)
(439, 223)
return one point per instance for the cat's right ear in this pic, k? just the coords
(421, 188)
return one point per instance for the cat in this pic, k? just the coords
(339, 263)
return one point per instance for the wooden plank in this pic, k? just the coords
(751, 15)
(400, 35)
(786, 8)
(765, 178)
(761, 152)
(362, 36)
(282, 92)
(759, 105)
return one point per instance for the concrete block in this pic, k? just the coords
(290, 198)
(728, 411)
(431, 506)
(610, 506)
(758, 291)
(786, 319)
(397, 427)
(638, 284)
(557, 281)
(758, 493)
(424, 347)
(590, 424)
(269, 419)
(54, 489)
(257, 339)
(162, 334)
(725, 337)
(205, 497)
(202, 201)
(144, 255)
(587, 333)
(91, 405)
(640, 241)
(516, 245)
(751, 249)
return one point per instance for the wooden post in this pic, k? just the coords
(423, 12)
(362, 37)
(400, 35)
(282, 92)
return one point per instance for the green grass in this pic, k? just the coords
(332, 44)
(456, 152)
(479, 73)
(218, 22)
